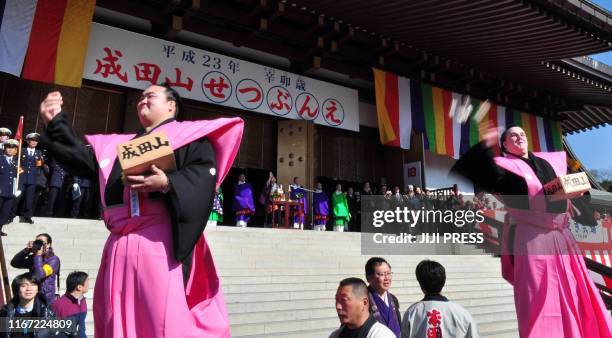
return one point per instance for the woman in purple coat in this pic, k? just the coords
(243, 201)
(320, 205)
(42, 262)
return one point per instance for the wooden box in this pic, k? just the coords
(136, 156)
(567, 186)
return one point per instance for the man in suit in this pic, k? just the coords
(80, 200)
(56, 182)
(8, 173)
(31, 164)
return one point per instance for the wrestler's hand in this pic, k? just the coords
(156, 181)
(51, 106)
(490, 134)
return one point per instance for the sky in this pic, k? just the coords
(594, 147)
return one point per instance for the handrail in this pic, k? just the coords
(606, 271)
(598, 267)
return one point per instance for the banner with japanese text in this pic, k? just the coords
(133, 60)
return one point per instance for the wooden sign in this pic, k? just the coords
(136, 156)
(567, 186)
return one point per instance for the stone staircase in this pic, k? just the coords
(281, 283)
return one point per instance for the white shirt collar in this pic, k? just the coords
(384, 297)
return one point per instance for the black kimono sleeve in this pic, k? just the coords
(478, 166)
(67, 149)
(192, 190)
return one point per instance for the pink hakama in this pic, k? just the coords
(553, 292)
(139, 290)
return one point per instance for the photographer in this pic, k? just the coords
(38, 256)
(27, 302)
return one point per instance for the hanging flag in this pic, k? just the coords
(548, 136)
(535, 137)
(58, 41)
(556, 135)
(428, 113)
(474, 125)
(393, 108)
(450, 122)
(456, 123)
(15, 25)
(437, 95)
(19, 132)
(541, 134)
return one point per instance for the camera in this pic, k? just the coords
(36, 245)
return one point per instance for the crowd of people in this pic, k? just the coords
(35, 184)
(36, 293)
(46, 189)
(339, 209)
(371, 310)
(163, 213)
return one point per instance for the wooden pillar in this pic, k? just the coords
(296, 155)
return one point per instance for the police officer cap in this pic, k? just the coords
(5, 131)
(11, 143)
(32, 136)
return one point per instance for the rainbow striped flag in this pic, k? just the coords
(403, 105)
(45, 40)
(393, 110)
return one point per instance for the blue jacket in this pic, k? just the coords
(28, 164)
(57, 175)
(68, 307)
(8, 172)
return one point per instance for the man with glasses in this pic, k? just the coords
(384, 306)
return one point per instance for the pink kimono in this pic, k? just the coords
(553, 293)
(139, 290)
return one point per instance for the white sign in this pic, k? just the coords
(588, 234)
(412, 174)
(133, 60)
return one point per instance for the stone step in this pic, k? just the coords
(281, 283)
(325, 271)
(232, 279)
(329, 294)
(498, 326)
(321, 332)
(484, 314)
(504, 333)
(345, 265)
(239, 330)
(506, 320)
(410, 286)
(486, 303)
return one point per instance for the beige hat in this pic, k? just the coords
(31, 136)
(5, 131)
(11, 143)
